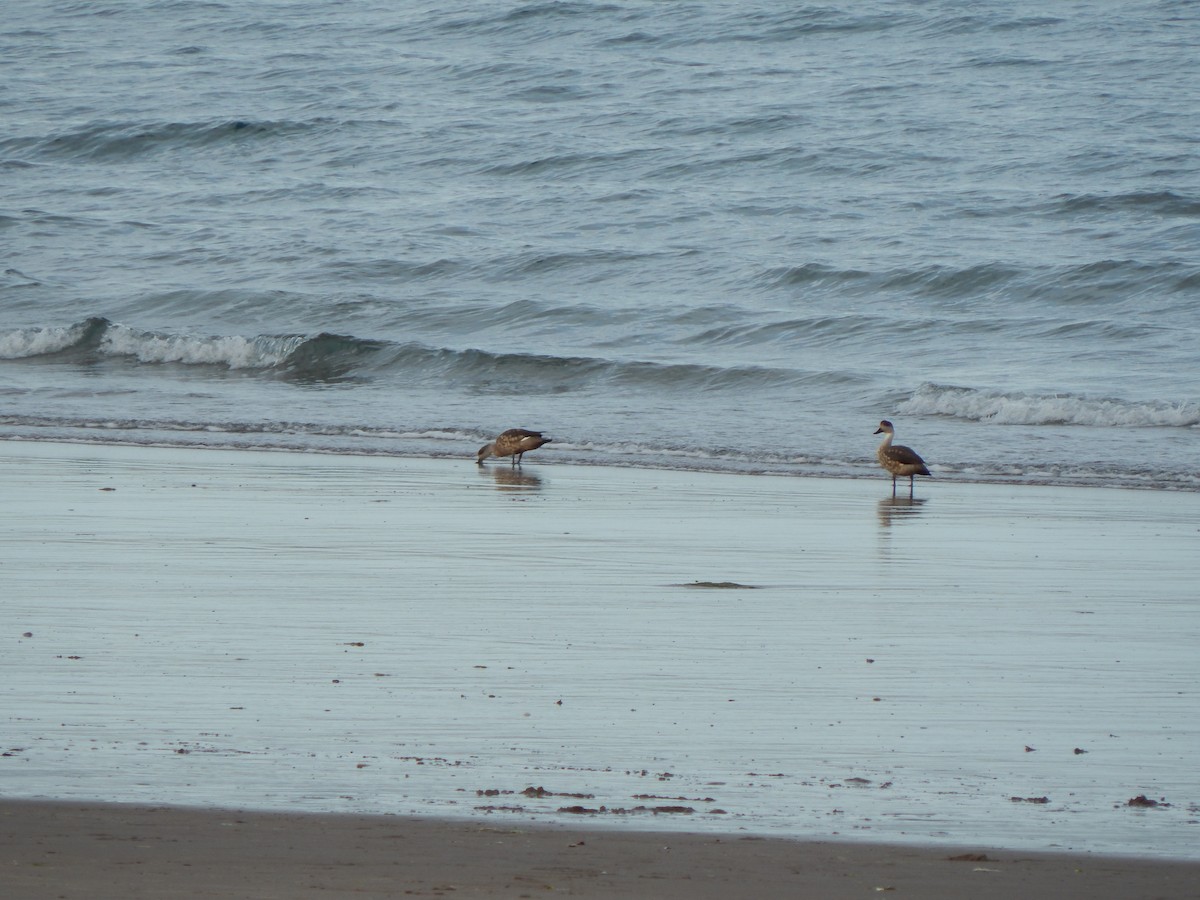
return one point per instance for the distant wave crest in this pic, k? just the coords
(1163, 203)
(1049, 409)
(1096, 283)
(127, 140)
(338, 357)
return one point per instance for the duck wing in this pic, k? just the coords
(906, 456)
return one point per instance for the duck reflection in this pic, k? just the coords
(510, 479)
(893, 510)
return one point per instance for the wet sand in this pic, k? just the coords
(988, 666)
(97, 852)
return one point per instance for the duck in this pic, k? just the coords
(515, 442)
(898, 460)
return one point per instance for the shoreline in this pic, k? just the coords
(783, 657)
(463, 449)
(101, 851)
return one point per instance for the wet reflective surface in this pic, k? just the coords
(987, 664)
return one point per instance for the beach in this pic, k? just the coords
(266, 630)
(586, 660)
(119, 852)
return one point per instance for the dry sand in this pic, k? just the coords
(602, 649)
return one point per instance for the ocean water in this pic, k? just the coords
(720, 235)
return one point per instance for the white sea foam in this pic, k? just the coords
(233, 351)
(26, 342)
(1049, 409)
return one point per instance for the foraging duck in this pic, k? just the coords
(514, 442)
(898, 460)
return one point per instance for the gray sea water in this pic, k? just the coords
(720, 235)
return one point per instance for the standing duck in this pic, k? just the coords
(898, 460)
(514, 443)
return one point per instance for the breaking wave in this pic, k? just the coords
(336, 357)
(1049, 409)
(100, 337)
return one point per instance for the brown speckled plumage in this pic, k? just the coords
(515, 443)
